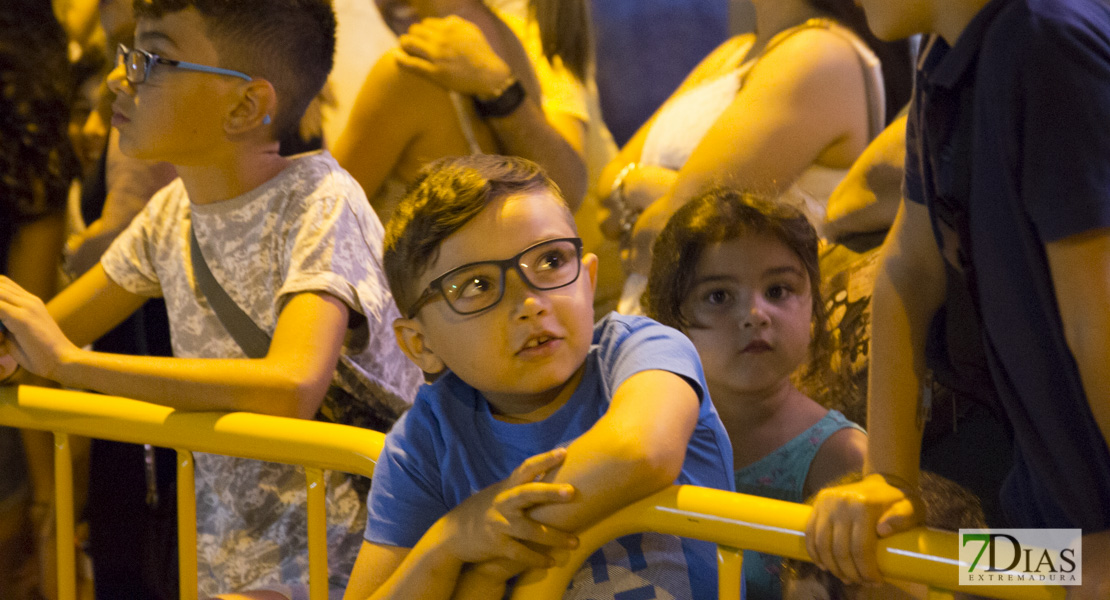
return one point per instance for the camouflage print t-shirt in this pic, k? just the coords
(309, 229)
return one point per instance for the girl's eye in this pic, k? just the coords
(717, 297)
(778, 292)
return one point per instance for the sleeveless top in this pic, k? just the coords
(782, 475)
(685, 119)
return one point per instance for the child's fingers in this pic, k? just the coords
(536, 466)
(516, 499)
(865, 551)
(520, 553)
(528, 530)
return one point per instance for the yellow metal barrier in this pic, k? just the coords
(734, 521)
(730, 520)
(315, 445)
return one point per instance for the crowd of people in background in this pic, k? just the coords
(565, 253)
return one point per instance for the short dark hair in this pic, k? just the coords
(446, 195)
(290, 43)
(720, 214)
(948, 506)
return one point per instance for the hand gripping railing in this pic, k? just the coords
(316, 446)
(734, 521)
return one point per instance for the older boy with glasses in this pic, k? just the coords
(487, 267)
(290, 243)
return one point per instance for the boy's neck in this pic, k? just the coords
(226, 177)
(512, 408)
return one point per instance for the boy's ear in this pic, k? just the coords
(590, 260)
(254, 107)
(410, 337)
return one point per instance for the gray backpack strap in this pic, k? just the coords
(250, 337)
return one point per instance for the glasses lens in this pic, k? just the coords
(473, 288)
(135, 64)
(551, 265)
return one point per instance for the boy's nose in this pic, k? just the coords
(117, 78)
(527, 301)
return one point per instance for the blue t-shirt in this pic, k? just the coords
(448, 446)
(1008, 132)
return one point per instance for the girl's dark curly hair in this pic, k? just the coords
(37, 162)
(721, 214)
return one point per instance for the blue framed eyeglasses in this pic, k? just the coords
(476, 286)
(138, 63)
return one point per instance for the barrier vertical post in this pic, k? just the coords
(186, 526)
(317, 534)
(730, 564)
(63, 515)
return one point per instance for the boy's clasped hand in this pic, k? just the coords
(492, 529)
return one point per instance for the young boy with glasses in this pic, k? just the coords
(210, 87)
(487, 268)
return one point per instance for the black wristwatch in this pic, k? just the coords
(503, 105)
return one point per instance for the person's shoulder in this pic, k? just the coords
(1079, 25)
(817, 43)
(173, 197)
(405, 87)
(621, 326)
(634, 342)
(315, 178)
(1083, 14)
(444, 398)
(842, 452)
(815, 59)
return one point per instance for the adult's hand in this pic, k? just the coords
(847, 520)
(454, 53)
(637, 257)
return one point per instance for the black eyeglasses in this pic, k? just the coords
(474, 287)
(138, 63)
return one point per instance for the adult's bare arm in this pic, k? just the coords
(456, 54)
(867, 199)
(847, 520)
(130, 183)
(1080, 267)
(804, 103)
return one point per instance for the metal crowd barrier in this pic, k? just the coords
(314, 445)
(736, 521)
(732, 521)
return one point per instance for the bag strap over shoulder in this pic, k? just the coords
(251, 338)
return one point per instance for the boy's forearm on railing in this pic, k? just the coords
(635, 449)
(192, 384)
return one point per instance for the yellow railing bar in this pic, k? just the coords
(730, 520)
(740, 521)
(315, 445)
